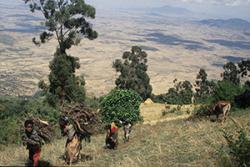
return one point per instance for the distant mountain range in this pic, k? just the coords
(229, 23)
(170, 11)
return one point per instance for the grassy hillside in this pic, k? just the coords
(179, 142)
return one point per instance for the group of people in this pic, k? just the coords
(73, 145)
(112, 134)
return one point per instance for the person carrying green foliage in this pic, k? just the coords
(33, 142)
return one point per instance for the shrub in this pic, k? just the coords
(92, 102)
(201, 111)
(239, 148)
(10, 131)
(10, 106)
(14, 110)
(225, 90)
(121, 104)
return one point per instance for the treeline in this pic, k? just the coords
(234, 81)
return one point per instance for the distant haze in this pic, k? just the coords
(223, 9)
(212, 8)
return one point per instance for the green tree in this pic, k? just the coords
(66, 20)
(231, 73)
(244, 71)
(204, 88)
(244, 68)
(185, 92)
(226, 90)
(133, 72)
(181, 93)
(121, 104)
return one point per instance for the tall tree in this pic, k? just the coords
(184, 91)
(204, 88)
(133, 72)
(244, 71)
(66, 20)
(231, 73)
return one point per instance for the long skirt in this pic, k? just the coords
(72, 151)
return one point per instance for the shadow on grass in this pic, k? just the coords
(84, 157)
(40, 164)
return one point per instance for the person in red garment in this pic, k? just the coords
(112, 136)
(33, 142)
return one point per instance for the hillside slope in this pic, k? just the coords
(172, 143)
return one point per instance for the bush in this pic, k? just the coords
(181, 94)
(92, 102)
(121, 104)
(239, 148)
(10, 131)
(201, 110)
(14, 110)
(225, 90)
(39, 108)
(10, 106)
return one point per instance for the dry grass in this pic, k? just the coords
(172, 143)
(156, 112)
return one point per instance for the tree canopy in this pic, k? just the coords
(204, 88)
(133, 72)
(231, 73)
(66, 20)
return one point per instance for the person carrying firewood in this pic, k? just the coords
(33, 142)
(74, 140)
(77, 123)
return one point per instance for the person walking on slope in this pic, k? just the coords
(74, 142)
(127, 130)
(112, 136)
(33, 142)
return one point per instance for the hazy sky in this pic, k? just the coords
(148, 3)
(217, 8)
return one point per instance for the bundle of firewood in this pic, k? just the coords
(44, 129)
(85, 119)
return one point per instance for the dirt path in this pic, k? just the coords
(140, 136)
